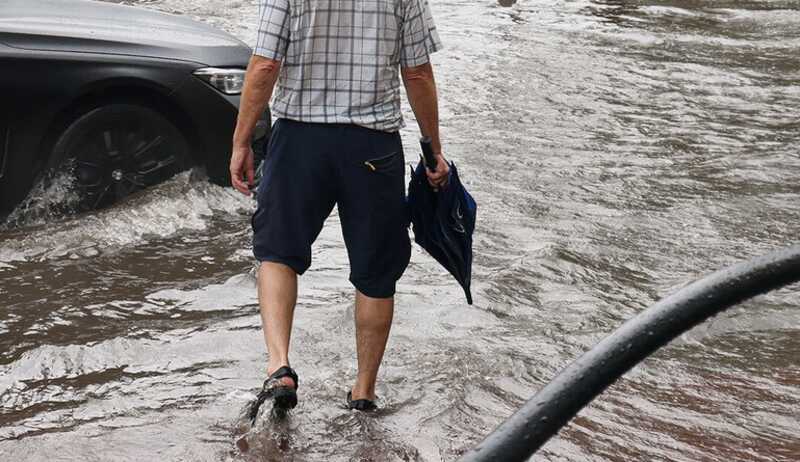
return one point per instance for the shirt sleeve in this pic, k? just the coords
(418, 35)
(273, 29)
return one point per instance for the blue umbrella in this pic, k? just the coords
(443, 220)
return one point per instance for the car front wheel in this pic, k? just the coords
(115, 150)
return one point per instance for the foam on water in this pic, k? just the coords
(180, 204)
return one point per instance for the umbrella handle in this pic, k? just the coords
(427, 153)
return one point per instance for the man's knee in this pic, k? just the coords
(289, 267)
(375, 313)
(372, 291)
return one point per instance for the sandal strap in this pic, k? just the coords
(360, 404)
(285, 371)
(268, 388)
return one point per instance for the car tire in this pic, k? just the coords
(115, 150)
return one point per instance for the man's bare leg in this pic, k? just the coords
(277, 296)
(373, 322)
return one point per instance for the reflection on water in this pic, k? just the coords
(617, 149)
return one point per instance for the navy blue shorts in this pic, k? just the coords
(309, 168)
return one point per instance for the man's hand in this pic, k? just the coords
(438, 178)
(262, 73)
(421, 90)
(242, 170)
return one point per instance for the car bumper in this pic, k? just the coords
(213, 116)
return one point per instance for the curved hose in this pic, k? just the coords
(553, 406)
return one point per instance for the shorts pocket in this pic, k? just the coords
(385, 164)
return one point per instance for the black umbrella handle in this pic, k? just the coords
(427, 153)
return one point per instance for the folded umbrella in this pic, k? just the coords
(443, 220)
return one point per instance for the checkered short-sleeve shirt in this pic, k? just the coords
(341, 58)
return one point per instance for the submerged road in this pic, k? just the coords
(617, 150)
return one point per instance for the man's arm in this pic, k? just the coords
(262, 73)
(421, 90)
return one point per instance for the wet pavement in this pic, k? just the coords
(617, 151)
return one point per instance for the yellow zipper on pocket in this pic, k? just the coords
(374, 164)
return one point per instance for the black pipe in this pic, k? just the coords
(553, 406)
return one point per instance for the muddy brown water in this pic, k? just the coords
(617, 151)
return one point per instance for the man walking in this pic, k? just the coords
(337, 65)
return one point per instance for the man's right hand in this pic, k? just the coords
(242, 170)
(438, 178)
(421, 91)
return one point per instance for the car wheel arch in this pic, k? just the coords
(120, 91)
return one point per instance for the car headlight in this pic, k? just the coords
(227, 80)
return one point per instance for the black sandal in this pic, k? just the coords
(360, 404)
(283, 397)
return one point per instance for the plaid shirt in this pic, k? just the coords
(340, 58)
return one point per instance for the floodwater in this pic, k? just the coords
(617, 150)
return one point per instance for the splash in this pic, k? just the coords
(47, 200)
(184, 203)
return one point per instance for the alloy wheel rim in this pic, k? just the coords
(121, 157)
